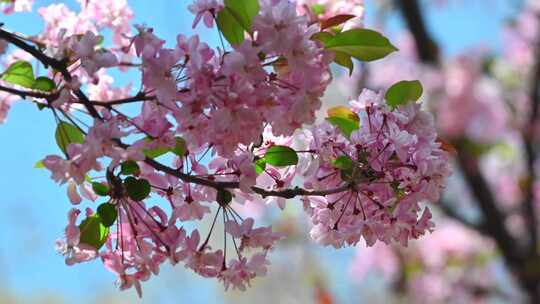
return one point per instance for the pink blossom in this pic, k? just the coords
(206, 10)
(91, 59)
(70, 247)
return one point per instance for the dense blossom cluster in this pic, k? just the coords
(230, 122)
(392, 163)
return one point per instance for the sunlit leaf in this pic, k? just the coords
(100, 189)
(260, 165)
(346, 120)
(362, 44)
(20, 73)
(243, 11)
(66, 134)
(343, 162)
(44, 84)
(93, 232)
(280, 156)
(108, 213)
(230, 27)
(403, 92)
(344, 60)
(180, 148)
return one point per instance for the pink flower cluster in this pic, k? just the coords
(94, 15)
(145, 238)
(391, 164)
(231, 96)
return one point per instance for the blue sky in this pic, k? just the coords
(33, 208)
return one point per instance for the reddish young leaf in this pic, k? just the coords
(336, 20)
(446, 146)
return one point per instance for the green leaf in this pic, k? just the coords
(44, 84)
(362, 44)
(223, 197)
(39, 165)
(346, 120)
(318, 9)
(323, 37)
(129, 167)
(107, 212)
(156, 152)
(137, 189)
(346, 165)
(281, 156)
(180, 148)
(229, 26)
(344, 60)
(403, 92)
(346, 126)
(20, 73)
(343, 162)
(100, 189)
(66, 134)
(260, 165)
(243, 11)
(236, 18)
(41, 106)
(93, 232)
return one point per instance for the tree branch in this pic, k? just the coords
(53, 96)
(286, 193)
(141, 96)
(428, 51)
(24, 94)
(494, 219)
(47, 61)
(530, 140)
(452, 213)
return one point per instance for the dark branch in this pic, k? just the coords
(452, 213)
(47, 61)
(428, 51)
(494, 220)
(530, 142)
(286, 193)
(25, 94)
(141, 96)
